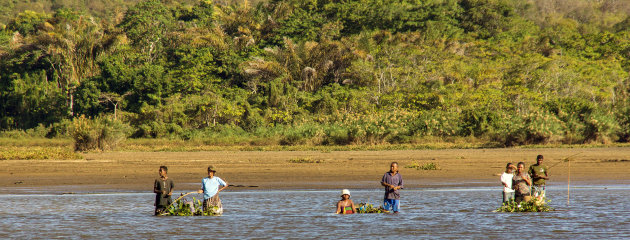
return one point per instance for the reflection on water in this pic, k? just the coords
(595, 212)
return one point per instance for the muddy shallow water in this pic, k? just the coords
(595, 211)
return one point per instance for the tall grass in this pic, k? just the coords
(97, 134)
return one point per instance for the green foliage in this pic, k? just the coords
(298, 73)
(426, 166)
(369, 208)
(529, 206)
(304, 160)
(28, 153)
(184, 207)
(97, 134)
(27, 22)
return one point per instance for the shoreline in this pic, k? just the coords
(99, 190)
(284, 170)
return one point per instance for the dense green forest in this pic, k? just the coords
(318, 72)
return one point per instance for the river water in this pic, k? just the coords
(600, 212)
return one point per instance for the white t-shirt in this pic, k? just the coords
(507, 179)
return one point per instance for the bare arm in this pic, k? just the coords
(354, 209)
(155, 188)
(171, 190)
(527, 180)
(224, 187)
(338, 207)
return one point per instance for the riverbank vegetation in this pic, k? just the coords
(249, 74)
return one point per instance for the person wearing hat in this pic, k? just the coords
(210, 187)
(345, 205)
(506, 180)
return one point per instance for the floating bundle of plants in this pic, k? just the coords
(184, 207)
(369, 208)
(528, 206)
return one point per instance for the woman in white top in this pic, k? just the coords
(506, 180)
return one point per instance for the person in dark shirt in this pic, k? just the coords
(539, 174)
(163, 189)
(392, 181)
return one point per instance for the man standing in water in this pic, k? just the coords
(392, 181)
(163, 189)
(210, 187)
(539, 174)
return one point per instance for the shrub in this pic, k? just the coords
(426, 166)
(97, 134)
(532, 128)
(435, 123)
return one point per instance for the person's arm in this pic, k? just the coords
(171, 188)
(384, 184)
(354, 209)
(156, 186)
(531, 172)
(503, 181)
(400, 184)
(338, 207)
(224, 187)
(546, 173)
(222, 183)
(202, 187)
(514, 185)
(527, 179)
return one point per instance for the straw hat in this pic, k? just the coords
(345, 191)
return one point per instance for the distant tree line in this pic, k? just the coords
(321, 71)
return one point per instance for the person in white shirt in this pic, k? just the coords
(506, 180)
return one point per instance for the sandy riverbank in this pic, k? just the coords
(135, 171)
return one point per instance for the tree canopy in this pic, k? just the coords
(321, 71)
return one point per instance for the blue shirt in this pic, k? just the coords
(211, 186)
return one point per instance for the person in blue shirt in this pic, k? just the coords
(210, 187)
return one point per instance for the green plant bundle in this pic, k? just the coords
(529, 206)
(184, 207)
(426, 166)
(369, 208)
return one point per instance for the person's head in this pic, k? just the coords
(345, 194)
(509, 168)
(393, 167)
(539, 159)
(520, 167)
(211, 170)
(163, 171)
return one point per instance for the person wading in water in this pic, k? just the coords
(521, 184)
(163, 189)
(345, 205)
(210, 187)
(539, 173)
(392, 181)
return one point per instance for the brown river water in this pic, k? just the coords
(594, 212)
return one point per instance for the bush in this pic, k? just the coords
(601, 127)
(532, 128)
(435, 123)
(97, 134)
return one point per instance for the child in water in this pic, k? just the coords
(506, 180)
(345, 205)
(163, 189)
